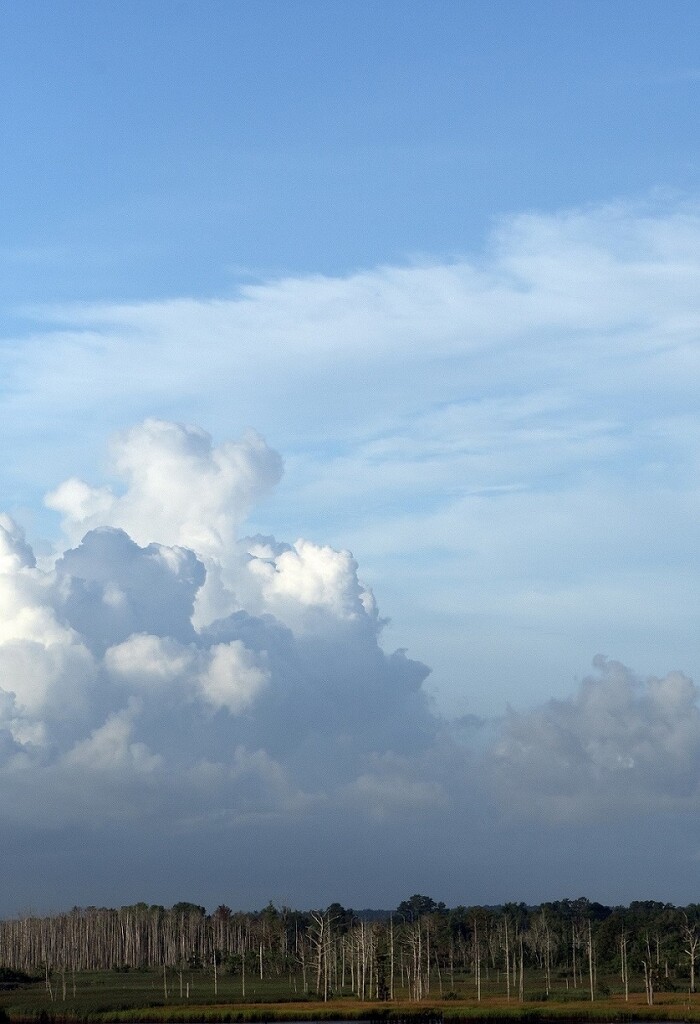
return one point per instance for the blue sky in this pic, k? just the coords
(160, 150)
(443, 259)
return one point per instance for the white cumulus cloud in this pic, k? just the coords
(107, 670)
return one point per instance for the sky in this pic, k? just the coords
(348, 398)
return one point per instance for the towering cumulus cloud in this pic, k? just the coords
(180, 661)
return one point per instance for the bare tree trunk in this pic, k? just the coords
(648, 983)
(477, 961)
(625, 974)
(48, 982)
(437, 966)
(507, 961)
(521, 984)
(691, 937)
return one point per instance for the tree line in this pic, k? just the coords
(420, 949)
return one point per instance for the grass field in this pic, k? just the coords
(116, 996)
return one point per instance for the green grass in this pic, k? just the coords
(116, 997)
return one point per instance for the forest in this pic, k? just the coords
(421, 950)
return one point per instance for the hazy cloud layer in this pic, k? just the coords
(269, 712)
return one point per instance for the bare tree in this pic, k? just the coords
(691, 938)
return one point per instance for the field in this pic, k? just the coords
(151, 995)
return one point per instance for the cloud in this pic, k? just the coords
(178, 488)
(232, 678)
(610, 287)
(123, 707)
(114, 588)
(505, 443)
(109, 750)
(108, 674)
(620, 746)
(464, 426)
(305, 580)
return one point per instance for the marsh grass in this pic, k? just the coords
(138, 997)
